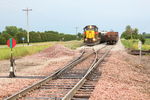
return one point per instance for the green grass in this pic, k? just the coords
(21, 51)
(29, 50)
(147, 42)
(133, 44)
(25, 44)
(72, 44)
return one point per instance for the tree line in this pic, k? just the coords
(19, 34)
(133, 33)
(146, 35)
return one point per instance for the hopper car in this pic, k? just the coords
(111, 37)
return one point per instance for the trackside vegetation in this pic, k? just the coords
(21, 51)
(130, 38)
(133, 44)
(35, 48)
(132, 33)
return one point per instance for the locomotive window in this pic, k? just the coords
(96, 29)
(90, 28)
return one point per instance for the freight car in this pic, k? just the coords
(103, 36)
(91, 35)
(111, 37)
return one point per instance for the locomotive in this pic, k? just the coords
(91, 35)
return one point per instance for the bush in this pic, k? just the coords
(142, 39)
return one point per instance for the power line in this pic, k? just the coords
(27, 12)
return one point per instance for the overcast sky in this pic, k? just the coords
(65, 15)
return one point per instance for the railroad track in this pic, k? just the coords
(83, 89)
(67, 83)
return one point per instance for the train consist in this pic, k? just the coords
(92, 36)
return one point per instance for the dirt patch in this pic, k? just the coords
(55, 52)
(121, 79)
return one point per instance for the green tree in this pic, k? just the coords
(6, 36)
(2, 40)
(135, 33)
(61, 36)
(68, 37)
(35, 37)
(43, 37)
(128, 29)
(141, 38)
(12, 30)
(21, 35)
(130, 33)
(146, 35)
(80, 36)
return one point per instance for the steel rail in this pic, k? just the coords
(71, 93)
(51, 77)
(38, 84)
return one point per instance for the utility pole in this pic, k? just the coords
(27, 12)
(77, 32)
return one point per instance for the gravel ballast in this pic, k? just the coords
(31, 69)
(120, 80)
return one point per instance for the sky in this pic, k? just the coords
(65, 15)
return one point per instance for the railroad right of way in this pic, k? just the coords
(66, 83)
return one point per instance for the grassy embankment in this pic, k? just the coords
(28, 50)
(133, 44)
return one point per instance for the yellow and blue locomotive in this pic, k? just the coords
(91, 35)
